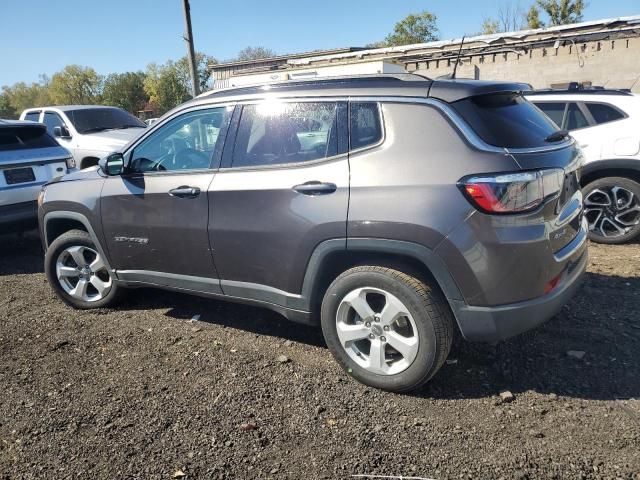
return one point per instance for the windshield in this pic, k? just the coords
(89, 120)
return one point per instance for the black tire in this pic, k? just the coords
(591, 192)
(426, 305)
(75, 238)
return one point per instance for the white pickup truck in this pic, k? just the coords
(89, 132)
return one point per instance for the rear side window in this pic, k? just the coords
(22, 138)
(365, 125)
(604, 113)
(273, 133)
(555, 111)
(506, 120)
(575, 117)
(32, 116)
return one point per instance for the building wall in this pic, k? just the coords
(612, 63)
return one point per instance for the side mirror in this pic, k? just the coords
(112, 164)
(61, 132)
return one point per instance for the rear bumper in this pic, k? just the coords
(493, 324)
(18, 216)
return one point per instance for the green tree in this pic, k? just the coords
(21, 96)
(6, 110)
(415, 28)
(125, 90)
(202, 66)
(165, 86)
(490, 26)
(560, 12)
(533, 18)
(254, 53)
(75, 85)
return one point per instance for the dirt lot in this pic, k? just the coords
(144, 391)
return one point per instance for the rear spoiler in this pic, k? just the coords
(454, 90)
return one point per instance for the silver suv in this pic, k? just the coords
(89, 132)
(389, 209)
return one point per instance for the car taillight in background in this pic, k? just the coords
(512, 192)
(71, 163)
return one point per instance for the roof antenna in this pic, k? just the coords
(455, 67)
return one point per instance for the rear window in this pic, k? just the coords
(22, 138)
(506, 120)
(555, 111)
(604, 113)
(365, 125)
(32, 116)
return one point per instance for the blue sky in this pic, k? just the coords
(42, 36)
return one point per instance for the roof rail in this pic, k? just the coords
(321, 81)
(576, 87)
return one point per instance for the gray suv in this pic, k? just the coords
(390, 209)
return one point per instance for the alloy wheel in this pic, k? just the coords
(83, 274)
(612, 211)
(377, 331)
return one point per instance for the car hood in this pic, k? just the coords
(90, 173)
(110, 140)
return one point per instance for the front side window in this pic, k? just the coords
(273, 133)
(575, 117)
(365, 125)
(604, 113)
(555, 111)
(188, 142)
(52, 120)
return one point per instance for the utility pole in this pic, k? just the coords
(191, 56)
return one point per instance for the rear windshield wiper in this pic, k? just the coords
(557, 136)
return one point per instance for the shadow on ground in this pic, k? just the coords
(601, 321)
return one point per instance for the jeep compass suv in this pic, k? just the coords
(389, 209)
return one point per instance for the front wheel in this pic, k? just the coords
(612, 208)
(77, 272)
(387, 329)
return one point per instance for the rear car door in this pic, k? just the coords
(155, 216)
(282, 190)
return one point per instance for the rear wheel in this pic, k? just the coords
(612, 208)
(387, 329)
(77, 272)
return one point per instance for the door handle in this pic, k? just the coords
(315, 188)
(185, 192)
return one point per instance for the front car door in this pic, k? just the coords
(282, 190)
(155, 216)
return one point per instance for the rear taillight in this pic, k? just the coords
(71, 163)
(512, 192)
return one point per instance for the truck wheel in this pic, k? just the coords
(612, 208)
(77, 272)
(385, 328)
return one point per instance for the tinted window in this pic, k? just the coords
(273, 133)
(365, 125)
(555, 111)
(575, 118)
(32, 116)
(89, 120)
(187, 142)
(22, 138)
(52, 120)
(604, 113)
(506, 120)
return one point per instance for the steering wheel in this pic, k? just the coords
(190, 158)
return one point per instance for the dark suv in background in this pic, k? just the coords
(389, 209)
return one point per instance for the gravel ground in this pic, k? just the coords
(146, 391)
